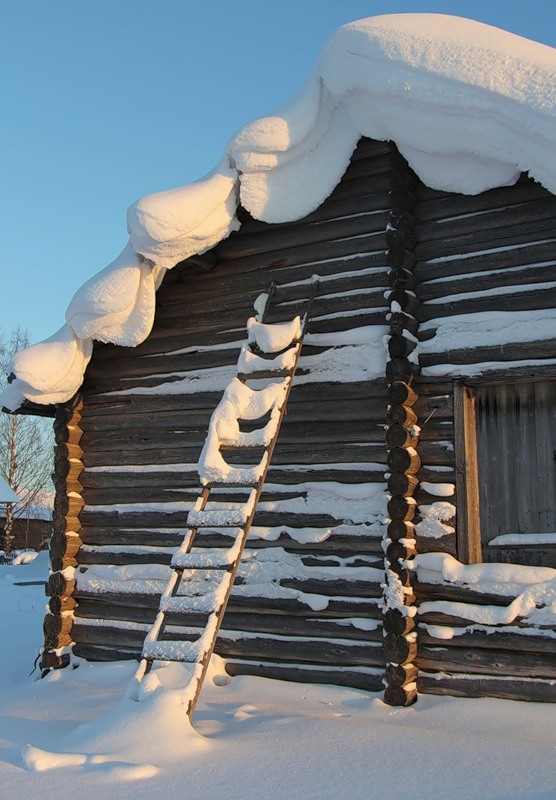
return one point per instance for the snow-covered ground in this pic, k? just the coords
(254, 739)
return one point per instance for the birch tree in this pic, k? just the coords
(26, 446)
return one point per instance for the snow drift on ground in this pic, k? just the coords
(469, 106)
(252, 738)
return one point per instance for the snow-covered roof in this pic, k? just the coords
(468, 105)
(7, 494)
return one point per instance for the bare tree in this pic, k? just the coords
(26, 444)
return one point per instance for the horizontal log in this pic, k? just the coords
(400, 346)
(400, 483)
(398, 551)
(275, 238)
(94, 653)
(526, 253)
(400, 257)
(284, 454)
(68, 450)
(241, 603)
(399, 649)
(348, 409)
(401, 393)
(399, 436)
(171, 480)
(400, 529)
(331, 587)
(62, 523)
(486, 686)
(92, 517)
(58, 584)
(402, 278)
(56, 641)
(57, 624)
(154, 556)
(62, 545)
(61, 562)
(241, 277)
(517, 351)
(401, 508)
(310, 252)
(486, 662)
(313, 651)
(57, 604)
(402, 236)
(50, 660)
(436, 205)
(335, 544)
(400, 695)
(442, 544)
(401, 415)
(476, 281)
(504, 236)
(364, 431)
(400, 674)
(67, 434)
(459, 594)
(355, 679)
(273, 624)
(401, 369)
(401, 459)
(489, 221)
(396, 622)
(497, 639)
(439, 453)
(301, 393)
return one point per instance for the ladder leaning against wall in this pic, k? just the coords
(202, 578)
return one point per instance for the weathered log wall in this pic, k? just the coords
(495, 252)
(308, 600)
(317, 534)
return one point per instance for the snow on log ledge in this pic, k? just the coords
(468, 105)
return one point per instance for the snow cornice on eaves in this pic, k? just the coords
(469, 106)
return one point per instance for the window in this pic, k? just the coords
(506, 472)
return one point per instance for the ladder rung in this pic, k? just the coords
(210, 601)
(218, 518)
(263, 373)
(208, 560)
(172, 650)
(227, 484)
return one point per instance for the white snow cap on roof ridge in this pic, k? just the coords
(470, 107)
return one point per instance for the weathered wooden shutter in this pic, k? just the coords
(516, 452)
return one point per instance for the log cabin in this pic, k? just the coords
(405, 537)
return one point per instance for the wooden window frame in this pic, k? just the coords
(469, 546)
(468, 516)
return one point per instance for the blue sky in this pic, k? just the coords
(107, 100)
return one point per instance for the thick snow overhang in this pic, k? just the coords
(468, 105)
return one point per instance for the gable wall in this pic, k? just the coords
(316, 533)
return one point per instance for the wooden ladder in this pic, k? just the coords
(270, 355)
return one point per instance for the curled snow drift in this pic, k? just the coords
(468, 105)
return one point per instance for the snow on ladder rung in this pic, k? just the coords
(210, 560)
(217, 518)
(179, 649)
(168, 650)
(207, 602)
(222, 517)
